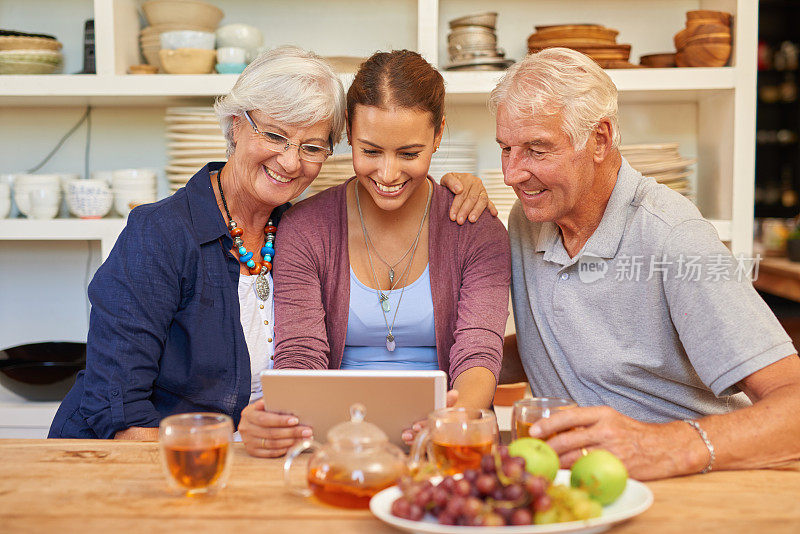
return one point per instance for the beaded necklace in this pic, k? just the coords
(267, 251)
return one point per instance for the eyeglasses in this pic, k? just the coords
(278, 143)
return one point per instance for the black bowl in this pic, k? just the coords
(39, 381)
(48, 352)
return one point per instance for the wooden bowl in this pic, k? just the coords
(703, 55)
(709, 39)
(707, 29)
(680, 38)
(508, 394)
(658, 61)
(188, 60)
(194, 12)
(617, 64)
(142, 69)
(721, 16)
(584, 31)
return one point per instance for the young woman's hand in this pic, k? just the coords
(410, 434)
(269, 434)
(471, 197)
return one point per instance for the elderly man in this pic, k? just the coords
(677, 369)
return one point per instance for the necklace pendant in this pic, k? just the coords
(390, 344)
(262, 286)
(385, 305)
(391, 276)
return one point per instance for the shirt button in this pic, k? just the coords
(565, 276)
(271, 356)
(266, 322)
(261, 306)
(269, 340)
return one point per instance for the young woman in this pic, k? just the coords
(377, 276)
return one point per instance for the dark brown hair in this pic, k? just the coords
(400, 78)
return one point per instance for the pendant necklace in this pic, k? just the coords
(261, 269)
(383, 299)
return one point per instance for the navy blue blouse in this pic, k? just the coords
(165, 335)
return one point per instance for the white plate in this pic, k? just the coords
(634, 500)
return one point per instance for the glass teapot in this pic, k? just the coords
(356, 463)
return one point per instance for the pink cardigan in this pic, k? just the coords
(470, 271)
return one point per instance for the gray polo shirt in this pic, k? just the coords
(653, 317)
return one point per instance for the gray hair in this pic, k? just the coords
(290, 85)
(561, 80)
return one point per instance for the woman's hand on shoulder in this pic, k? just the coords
(471, 197)
(269, 434)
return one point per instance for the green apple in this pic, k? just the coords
(601, 474)
(540, 458)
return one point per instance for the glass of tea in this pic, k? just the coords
(195, 451)
(527, 411)
(455, 439)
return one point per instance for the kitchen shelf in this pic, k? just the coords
(104, 230)
(669, 85)
(109, 229)
(26, 419)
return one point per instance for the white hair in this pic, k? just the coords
(290, 85)
(561, 80)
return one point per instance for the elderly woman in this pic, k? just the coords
(182, 314)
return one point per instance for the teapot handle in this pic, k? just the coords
(419, 449)
(294, 452)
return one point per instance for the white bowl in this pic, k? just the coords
(43, 203)
(187, 39)
(27, 180)
(140, 175)
(22, 195)
(89, 199)
(231, 54)
(124, 203)
(239, 35)
(106, 176)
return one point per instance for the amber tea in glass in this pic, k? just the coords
(195, 451)
(455, 439)
(527, 411)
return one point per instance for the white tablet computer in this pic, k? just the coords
(321, 399)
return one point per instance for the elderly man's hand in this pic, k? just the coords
(471, 197)
(648, 450)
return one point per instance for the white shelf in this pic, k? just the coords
(670, 85)
(104, 230)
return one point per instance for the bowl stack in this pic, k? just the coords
(594, 40)
(454, 156)
(472, 44)
(194, 138)
(336, 170)
(29, 53)
(37, 196)
(662, 162)
(178, 15)
(705, 41)
(499, 193)
(132, 187)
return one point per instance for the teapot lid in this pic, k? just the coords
(356, 432)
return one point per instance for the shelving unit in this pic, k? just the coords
(709, 111)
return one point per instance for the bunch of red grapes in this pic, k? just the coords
(500, 493)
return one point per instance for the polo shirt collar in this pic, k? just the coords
(605, 240)
(206, 219)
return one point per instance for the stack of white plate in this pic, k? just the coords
(336, 170)
(454, 156)
(499, 193)
(194, 138)
(664, 163)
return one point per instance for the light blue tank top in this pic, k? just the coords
(414, 333)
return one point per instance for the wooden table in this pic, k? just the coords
(779, 276)
(64, 486)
